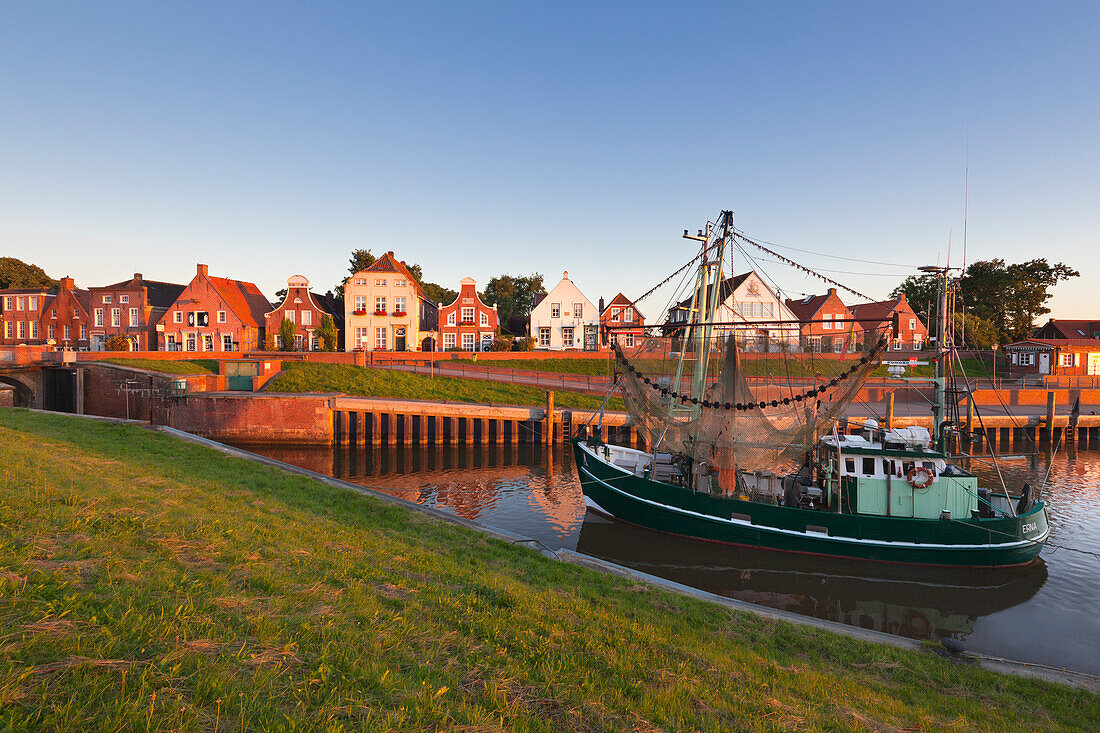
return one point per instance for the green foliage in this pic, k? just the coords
(327, 333)
(206, 592)
(514, 297)
(269, 341)
(117, 342)
(360, 260)
(502, 343)
(170, 366)
(974, 332)
(523, 343)
(921, 291)
(286, 335)
(1011, 297)
(16, 273)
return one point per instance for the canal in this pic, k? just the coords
(1047, 613)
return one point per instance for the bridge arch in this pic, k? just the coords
(25, 388)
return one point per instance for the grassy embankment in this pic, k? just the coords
(374, 382)
(170, 366)
(151, 584)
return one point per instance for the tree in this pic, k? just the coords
(921, 291)
(269, 341)
(974, 332)
(514, 298)
(360, 260)
(1011, 297)
(286, 335)
(280, 295)
(327, 333)
(18, 274)
(434, 292)
(117, 342)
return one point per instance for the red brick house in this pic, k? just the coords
(214, 314)
(467, 323)
(912, 333)
(621, 322)
(65, 317)
(1065, 357)
(305, 310)
(826, 324)
(21, 315)
(1068, 328)
(132, 308)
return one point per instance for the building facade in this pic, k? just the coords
(1064, 357)
(826, 324)
(748, 309)
(65, 321)
(131, 308)
(21, 315)
(912, 334)
(467, 323)
(214, 314)
(621, 322)
(305, 310)
(565, 319)
(385, 309)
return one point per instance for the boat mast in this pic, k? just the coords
(714, 285)
(943, 349)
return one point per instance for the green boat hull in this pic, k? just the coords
(969, 542)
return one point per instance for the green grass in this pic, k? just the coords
(152, 584)
(373, 382)
(173, 366)
(589, 367)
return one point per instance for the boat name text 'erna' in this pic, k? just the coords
(1030, 527)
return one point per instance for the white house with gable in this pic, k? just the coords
(751, 310)
(565, 319)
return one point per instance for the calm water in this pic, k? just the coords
(1048, 612)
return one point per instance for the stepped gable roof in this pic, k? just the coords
(1084, 343)
(389, 263)
(158, 294)
(729, 285)
(244, 298)
(1072, 328)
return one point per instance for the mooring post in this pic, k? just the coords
(969, 422)
(1050, 417)
(890, 411)
(549, 431)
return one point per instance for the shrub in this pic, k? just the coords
(524, 343)
(118, 342)
(502, 343)
(286, 335)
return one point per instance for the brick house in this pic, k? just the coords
(214, 314)
(468, 323)
(385, 309)
(21, 315)
(305, 310)
(621, 322)
(1068, 328)
(65, 318)
(825, 323)
(132, 308)
(1065, 357)
(912, 333)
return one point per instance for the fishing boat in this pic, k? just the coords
(743, 447)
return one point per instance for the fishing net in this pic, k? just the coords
(749, 402)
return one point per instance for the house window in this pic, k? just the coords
(838, 345)
(614, 315)
(106, 298)
(380, 303)
(449, 340)
(177, 317)
(397, 283)
(297, 342)
(32, 303)
(451, 318)
(630, 340)
(1066, 360)
(544, 336)
(50, 332)
(467, 314)
(555, 310)
(399, 304)
(360, 302)
(227, 342)
(628, 315)
(380, 336)
(467, 342)
(289, 315)
(912, 324)
(8, 332)
(124, 299)
(1015, 357)
(360, 281)
(484, 320)
(8, 300)
(190, 342)
(98, 316)
(221, 316)
(567, 336)
(361, 338)
(578, 310)
(134, 317)
(827, 321)
(33, 326)
(67, 332)
(83, 332)
(208, 342)
(307, 318)
(19, 303)
(21, 329)
(116, 317)
(380, 283)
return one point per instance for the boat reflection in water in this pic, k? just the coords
(880, 596)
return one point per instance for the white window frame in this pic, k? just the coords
(578, 310)
(468, 342)
(380, 282)
(177, 317)
(32, 303)
(544, 336)
(448, 340)
(21, 329)
(615, 315)
(629, 340)
(116, 317)
(97, 316)
(399, 304)
(307, 318)
(567, 337)
(827, 321)
(628, 315)
(360, 303)
(484, 319)
(381, 338)
(9, 329)
(555, 310)
(134, 320)
(380, 304)
(451, 318)
(220, 317)
(227, 342)
(32, 329)
(289, 315)
(107, 299)
(398, 283)
(362, 337)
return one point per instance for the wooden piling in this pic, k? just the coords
(548, 431)
(1050, 418)
(890, 411)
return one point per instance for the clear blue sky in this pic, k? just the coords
(477, 139)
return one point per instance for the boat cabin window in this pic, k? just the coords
(907, 466)
(849, 465)
(868, 466)
(887, 467)
(930, 465)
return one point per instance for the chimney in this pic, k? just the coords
(137, 276)
(67, 283)
(601, 306)
(832, 291)
(203, 270)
